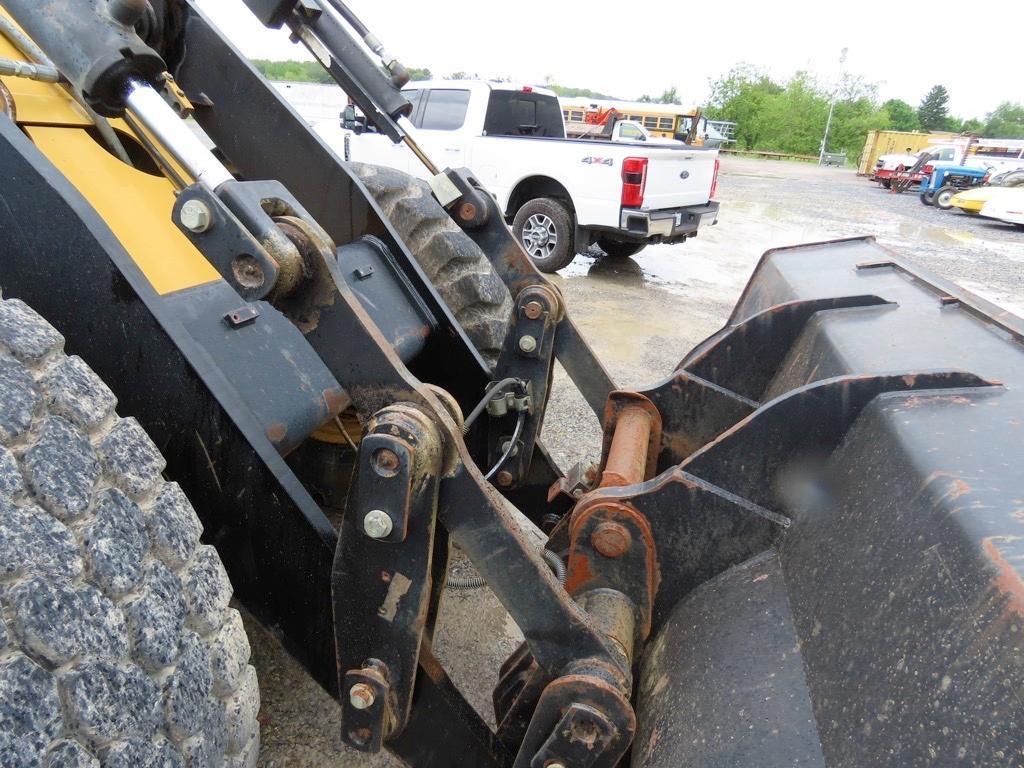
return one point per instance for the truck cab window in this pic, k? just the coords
(631, 132)
(445, 110)
(523, 113)
(415, 96)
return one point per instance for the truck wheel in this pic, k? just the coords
(886, 183)
(943, 197)
(544, 227)
(117, 645)
(926, 197)
(619, 249)
(459, 270)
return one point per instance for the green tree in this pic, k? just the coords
(970, 125)
(294, 71)
(1005, 122)
(585, 93)
(790, 116)
(669, 96)
(743, 95)
(902, 116)
(415, 73)
(934, 110)
(646, 99)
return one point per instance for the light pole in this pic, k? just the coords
(831, 107)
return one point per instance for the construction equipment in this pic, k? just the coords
(802, 547)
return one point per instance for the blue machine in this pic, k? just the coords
(938, 188)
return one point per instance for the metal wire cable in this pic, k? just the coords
(511, 446)
(479, 407)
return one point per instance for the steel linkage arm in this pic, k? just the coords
(560, 633)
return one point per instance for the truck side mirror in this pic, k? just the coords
(350, 121)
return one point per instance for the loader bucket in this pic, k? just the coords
(872, 418)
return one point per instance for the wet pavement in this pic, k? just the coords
(642, 315)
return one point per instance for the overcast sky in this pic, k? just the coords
(631, 48)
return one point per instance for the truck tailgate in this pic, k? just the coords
(678, 177)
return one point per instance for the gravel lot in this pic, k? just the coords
(641, 315)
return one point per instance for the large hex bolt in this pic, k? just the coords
(195, 216)
(361, 696)
(527, 344)
(377, 524)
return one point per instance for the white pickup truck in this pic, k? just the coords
(560, 195)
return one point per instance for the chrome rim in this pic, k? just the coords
(539, 236)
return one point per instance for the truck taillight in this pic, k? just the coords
(634, 178)
(714, 181)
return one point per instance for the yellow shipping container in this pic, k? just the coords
(890, 142)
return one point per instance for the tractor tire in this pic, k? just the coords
(619, 249)
(117, 645)
(458, 269)
(926, 197)
(886, 183)
(943, 197)
(545, 229)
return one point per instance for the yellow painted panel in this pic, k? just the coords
(135, 205)
(40, 102)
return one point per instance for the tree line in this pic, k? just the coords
(790, 115)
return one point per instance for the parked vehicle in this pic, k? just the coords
(665, 121)
(974, 199)
(560, 195)
(1007, 206)
(993, 155)
(620, 130)
(939, 186)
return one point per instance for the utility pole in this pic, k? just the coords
(831, 107)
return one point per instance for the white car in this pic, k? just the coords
(1007, 206)
(560, 195)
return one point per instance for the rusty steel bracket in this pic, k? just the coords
(580, 720)
(612, 547)
(527, 355)
(382, 573)
(227, 243)
(470, 209)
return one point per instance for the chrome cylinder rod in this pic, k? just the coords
(169, 131)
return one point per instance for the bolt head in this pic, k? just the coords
(611, 539)
(527, 344)
(195, 216)
(555, 765)
(504, 479)
(377, 524)
(386, 462)
(533, 310)
(360, 696)
(467, 211)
